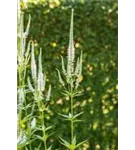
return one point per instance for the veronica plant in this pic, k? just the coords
(70, 82)
(40, 100)
(23, 56)
(27, 121)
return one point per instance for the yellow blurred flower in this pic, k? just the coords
(79, 79)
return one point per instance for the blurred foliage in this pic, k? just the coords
(95, 32)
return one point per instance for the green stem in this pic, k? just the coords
(72, 113)
(45, 145)
(43, 131)
(20, 77)
(72, 123)
(30, 147)
(23, 83)
(20, 84)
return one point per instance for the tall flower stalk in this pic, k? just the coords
(40, 100)
(73, 77)
(28, 124)
(23, 56)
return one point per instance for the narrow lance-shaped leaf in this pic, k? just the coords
(68, 117)
(22, 145)
(64, 142)
(26, 148)
(39, 137)
(37, 129)
(28, 117)
(76, 120)
(79, 144)
(50, 134)
(75, 116)
(65, 116)
(48, 128)
(50, 148)
(74, 140)
(38, 147)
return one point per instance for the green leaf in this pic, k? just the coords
(23, 144)
(26, 148)
(19, 146)
(38, 147)
(68, 119)
(64, 93)
(64, 142)
(78, 120)
(79, 144)
(50, 148)
(74, 140)
(37, 129)
(65, 116)
(48, 128)
(75, 116)
(25, 119)
(39, 137)
(78, 94)
(51, 134)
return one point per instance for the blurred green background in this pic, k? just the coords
(95, 32)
